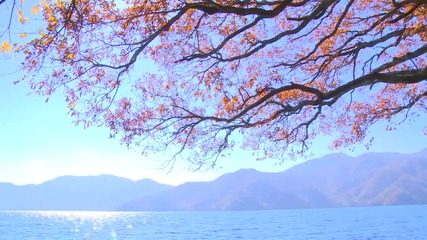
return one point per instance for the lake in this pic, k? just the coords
(398, 222)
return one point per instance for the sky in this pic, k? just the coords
(38, 142)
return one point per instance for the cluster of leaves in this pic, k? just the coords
(276, 72)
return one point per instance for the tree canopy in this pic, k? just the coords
(193, 74)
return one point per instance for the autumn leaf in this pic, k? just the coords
(35, 9)
(23, 35)
(21, 18)
(5, 47)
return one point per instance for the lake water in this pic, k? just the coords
(400, 222)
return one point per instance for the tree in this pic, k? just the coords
(277, 73)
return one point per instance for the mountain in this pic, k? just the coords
(335, 180)
(104, 192)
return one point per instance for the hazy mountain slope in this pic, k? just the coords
(334, 180)
(103, 192)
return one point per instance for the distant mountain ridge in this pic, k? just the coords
(335, 180)
(96, 193)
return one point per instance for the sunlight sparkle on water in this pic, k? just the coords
(87, 223)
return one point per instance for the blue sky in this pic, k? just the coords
(38, 142)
